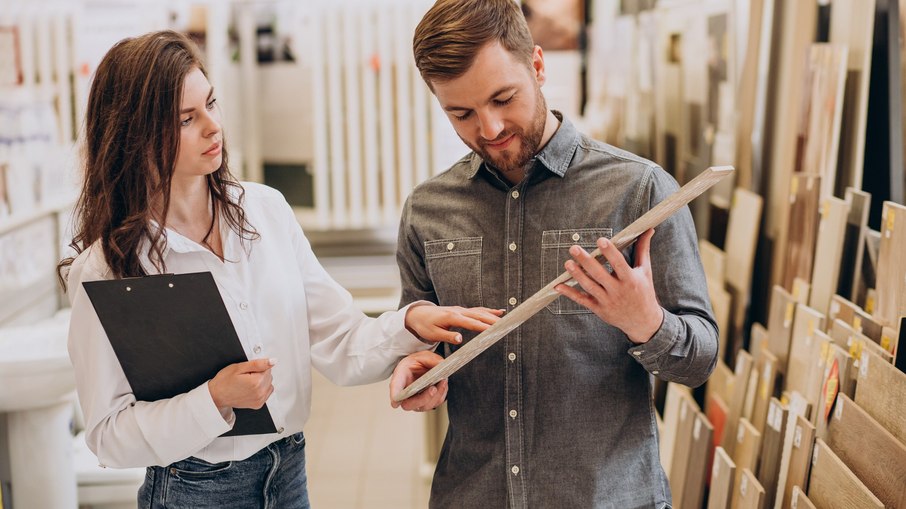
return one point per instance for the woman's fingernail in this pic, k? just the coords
(458, 338)
(272, 361)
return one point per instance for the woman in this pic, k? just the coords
(158, 197)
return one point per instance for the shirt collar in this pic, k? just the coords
(555, 156)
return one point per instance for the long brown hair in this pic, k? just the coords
(453, 31)
(131, 140)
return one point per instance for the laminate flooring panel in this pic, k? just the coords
(679, 469)
(766, 368)
(699, 454)
(720, 383)
(800, 500)
(807, 323)
(798, 458)
(750, 492)
(736, 403)
(742, 238)
(881, 392)
(832, 484)
(723, 475)
(745, 454)
(714, 261)
(802, 229)
(853, 242)
(838, 379)
(780, 323)
(672, 403)
(891, 289)
(772, 448)
(872, 453)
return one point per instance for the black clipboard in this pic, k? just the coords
(172, 333)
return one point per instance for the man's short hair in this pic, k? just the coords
(453, 31)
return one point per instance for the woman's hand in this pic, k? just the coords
(243, 385)
(407, 371)
(433, 323)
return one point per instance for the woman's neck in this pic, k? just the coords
(190, 203)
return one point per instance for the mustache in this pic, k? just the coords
(502, 136)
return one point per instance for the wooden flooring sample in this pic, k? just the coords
(876, 457)
(850, 339)
(772, 448)
(684, 445)
(802, 229)
(798, 459)
(723, 475)
(805, 325)
(714, 261)
(516, 317)
(802, 290)
(881, 392)
(766, 368)
(720, 383)
(891, 286)
(832, 484)
(853, 242)
(716, 411)
(750, 492)
(828, 251)
(817, 370)
(721, 304)
(745, 453)
(742, 238)
(800, 500)
(697, 466)
(741, 374)
(839, 378)
(758, 339)
(780, 324)
(672, 403)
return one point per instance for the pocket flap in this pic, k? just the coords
(452, 247)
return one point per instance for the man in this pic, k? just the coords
(558, 413)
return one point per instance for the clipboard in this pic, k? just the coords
(172, 333)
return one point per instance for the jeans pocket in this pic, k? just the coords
(454, 266)
(555, 246)
(298, 439)
(195, 469)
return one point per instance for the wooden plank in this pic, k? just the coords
(747, 95)
(723, 473)
(758, 339)
(802, 290)
(780, 324)
(817, 370)
(891, 279)
(772, 447)
(742, 237)
(853, 242)
(679, 469)
(806, 323)
(716, 412)
(867, 296)
(852, 25)
(720, 383)
(802, 231)
(546, 295)
(889, 340)
(745, 453)
(881, 392)
(744, 365)
(828, 251)
(751, 493)
(872, 453)
(699, 454)
(852, 314)
(800, 500)
(798, 458)
(721, 304)
(839, 378)
(832, 484)
(714, 261)
(673, 401)
(766, 369)
(853, 341)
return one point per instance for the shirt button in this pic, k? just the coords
(450, 246)
(280, 430)
(513, 414)
(515, 194)
(511, 356)
(512, 301)
(576, 237)
(637, 353)
(243, 306)
(257, 349)
(512, 246)
(655, 372)
(515, 469)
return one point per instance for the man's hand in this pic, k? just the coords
(407, 371)
(432, 323)
(625, 298)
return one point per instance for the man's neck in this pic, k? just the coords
(551, 124)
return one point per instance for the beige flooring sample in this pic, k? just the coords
(881, 392)
(832, 484)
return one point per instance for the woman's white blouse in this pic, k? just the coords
(283, 305)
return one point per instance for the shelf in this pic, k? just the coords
(16, 221)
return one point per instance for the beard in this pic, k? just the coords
(529, 141)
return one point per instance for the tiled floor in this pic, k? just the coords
(360, 453)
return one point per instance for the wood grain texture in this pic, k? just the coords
(780, 324)
(745, 454)
(772, 448)
(736, 402)
(832, 484)
(758, 340)
(891, 275)
(721, 304)
(852, 24)
(876, 457)
(817, 366)
(697, 466)
(742, 237)
(684, 445)
(850, 339)
(807, 322)
(723, 475)
(546, 295)
(828, 252)
(720, 383)
(881, 392)
(714, 261)
(839, 378)
(672, 403)
(802, 290)
(846, 310)
(751, 493)
(802, 230)
(766, 369)
(798, 458)
(853, 243)
(747, 96)
(800, 500)
(716, 411)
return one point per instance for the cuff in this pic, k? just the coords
(206, 413)
(647, 354)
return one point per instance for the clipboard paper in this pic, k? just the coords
(546, 295)
(172, 333)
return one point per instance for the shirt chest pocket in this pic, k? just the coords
(454, 266)
(555, 246)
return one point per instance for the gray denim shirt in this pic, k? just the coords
(558, 413)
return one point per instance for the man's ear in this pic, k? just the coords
(538, 65)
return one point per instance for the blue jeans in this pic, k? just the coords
(274, 477)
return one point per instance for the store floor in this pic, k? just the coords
(360, 453)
